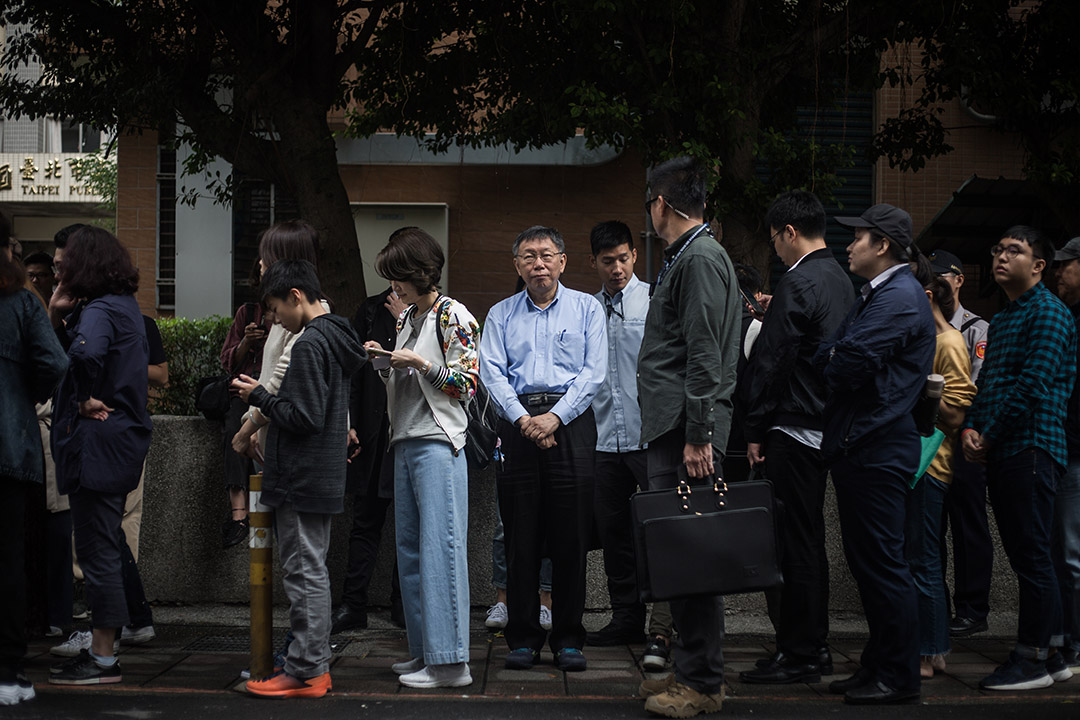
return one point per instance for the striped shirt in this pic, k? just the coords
(1027, 377)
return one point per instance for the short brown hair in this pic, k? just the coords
(411, 256)
(96, 264)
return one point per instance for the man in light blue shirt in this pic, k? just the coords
(543, 357)
(620, 460)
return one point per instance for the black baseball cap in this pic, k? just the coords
(891, 221)
(943, 261)
(1071, 251)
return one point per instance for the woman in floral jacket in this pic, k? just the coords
(432, 373)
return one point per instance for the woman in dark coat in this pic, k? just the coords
(31, 364)
(101, 432)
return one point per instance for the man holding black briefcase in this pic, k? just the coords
(686, 378)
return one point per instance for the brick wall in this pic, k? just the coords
(979, 150)
(490, 205)
(136, 210)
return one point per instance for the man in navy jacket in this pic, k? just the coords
(875, 368)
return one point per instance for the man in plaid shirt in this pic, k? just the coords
(1016, 427)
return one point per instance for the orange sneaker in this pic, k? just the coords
(283, 685)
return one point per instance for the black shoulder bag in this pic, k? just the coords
(212, 393)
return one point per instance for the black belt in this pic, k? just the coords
(537, 399)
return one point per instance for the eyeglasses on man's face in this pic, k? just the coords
(39, 275)
(649, 202)
(1011, 251)
(547, 258)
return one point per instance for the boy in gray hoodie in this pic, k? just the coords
(304, 474)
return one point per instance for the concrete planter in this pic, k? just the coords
(182, 561)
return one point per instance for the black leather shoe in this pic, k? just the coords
(346, 618)
(617, 633)
(782, 672)
(825, 662)
(962, 626)
(878, 693)
(842, 687)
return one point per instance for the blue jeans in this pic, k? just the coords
(498, 556)
(1021, 489)
(1066, 545)
(431, 510)
(922, 548)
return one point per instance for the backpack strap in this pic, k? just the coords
(969, 323)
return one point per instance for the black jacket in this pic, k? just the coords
(306, 445)
(367, 404)
(782, 386)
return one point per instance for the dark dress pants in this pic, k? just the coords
(13, 569)
(369, 516)
(99, 545)
(973, 550)
(698, 652)
(59, 589)
(237, 467)
(798, 475)
(1022, 489)
(545, 498)
(872, 504)
(618, 476)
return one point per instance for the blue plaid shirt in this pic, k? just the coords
(1027, 377)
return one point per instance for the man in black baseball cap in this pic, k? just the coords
(892, 222)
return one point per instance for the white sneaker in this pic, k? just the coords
(409, 666)
(545, 617)
(137, 635)
(497, 616)
(78, 641)
(17, 691)
(436, 676)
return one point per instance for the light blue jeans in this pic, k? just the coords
(1066, 551)
(431, 511)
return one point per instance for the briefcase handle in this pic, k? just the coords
(683, 490)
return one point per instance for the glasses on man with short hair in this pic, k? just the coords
(39, 275)
(547, 258)
(1011, 251)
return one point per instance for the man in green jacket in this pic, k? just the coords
(689, 351)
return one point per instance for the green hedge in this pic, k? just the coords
(192, 347)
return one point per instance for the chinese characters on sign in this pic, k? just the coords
(45, 177)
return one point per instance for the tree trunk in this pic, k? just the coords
(309, 156)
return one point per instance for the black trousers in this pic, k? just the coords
(545, 499)
(618, 476)
(237, 467)
(973, 550)
(99, 543)
(801, 611)
(13, 570)
(698, 652)
(59, 587)
(369, 516)
(872, 504)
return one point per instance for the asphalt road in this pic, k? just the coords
(134, 705)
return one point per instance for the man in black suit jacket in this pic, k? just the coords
(370, 477)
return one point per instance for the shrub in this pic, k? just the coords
(192, 347)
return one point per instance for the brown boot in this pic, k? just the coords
(681, 701)
(655, 685)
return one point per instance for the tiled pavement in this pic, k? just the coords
(203, 657)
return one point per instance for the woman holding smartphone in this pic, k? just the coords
(432, 373)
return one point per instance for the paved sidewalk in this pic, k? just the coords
(203, 650)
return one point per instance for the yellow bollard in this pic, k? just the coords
(260, 540)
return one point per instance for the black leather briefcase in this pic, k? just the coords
(711, 539)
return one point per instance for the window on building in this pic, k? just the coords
(79, 137)
(166, 228)
(257, 204)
